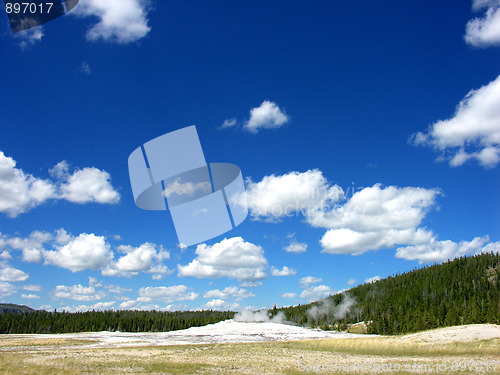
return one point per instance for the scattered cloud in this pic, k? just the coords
(11, 274)
(6, 289)
(82, 308)
(314, 293)
(32, 288)
(29, 37)
(30, 296)
(472, 133)
(351, 281)
(228, 123)
(90, 252)
(230, 292)
(144, 258)
(294, 246)
(284, 272)
(84, 68)
(267, 116)
(5, 255)
(492, 247)
(310, 280)
(251, 284)
(31, 246)
(375, 218)
(377, 208)
(275, 197)
(127, 305)
(440, 251)
(187, 188)
(116, 289)
(119, 21)
(20, 192)
(289, 295)
(219, 304)
(166, 294)
(348, 241)
(87, 251)
(79, 292)
(485, 31)
(85, 185)
(372, 279)
(233, 258)
(372, 218)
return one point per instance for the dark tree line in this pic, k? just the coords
(462, 291)
(40, 321)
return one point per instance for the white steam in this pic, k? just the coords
(326, 307)
(261, 316)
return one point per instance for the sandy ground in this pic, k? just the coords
(254, 348)
(456, 334)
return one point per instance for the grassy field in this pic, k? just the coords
(363, 355)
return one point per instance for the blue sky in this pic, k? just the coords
(368, 134)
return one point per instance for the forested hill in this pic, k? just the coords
(12, 308)
(463, 291)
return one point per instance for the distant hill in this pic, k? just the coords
(12, 308)
(462, 291)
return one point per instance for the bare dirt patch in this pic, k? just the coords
(269, 349)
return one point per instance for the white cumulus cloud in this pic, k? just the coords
(294, 246)
(485, 31)
(267, 116)
(314, 293)
(78, 292)
(233, 258)
(230, 292)
(440, 251)
(31, 246)
(473, 133)
(144, 258)
(310, 280)
(30, 296)
(120, 21)
(373, 218)
(275, 197)
(6, 289)
(372, 279)
(32, 288)
(87, 251)
(285, 271)
(20, 191)
(11, 274)
(85, 185)
(219, 304)
(166, 294)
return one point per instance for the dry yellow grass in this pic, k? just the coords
(47, 356)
